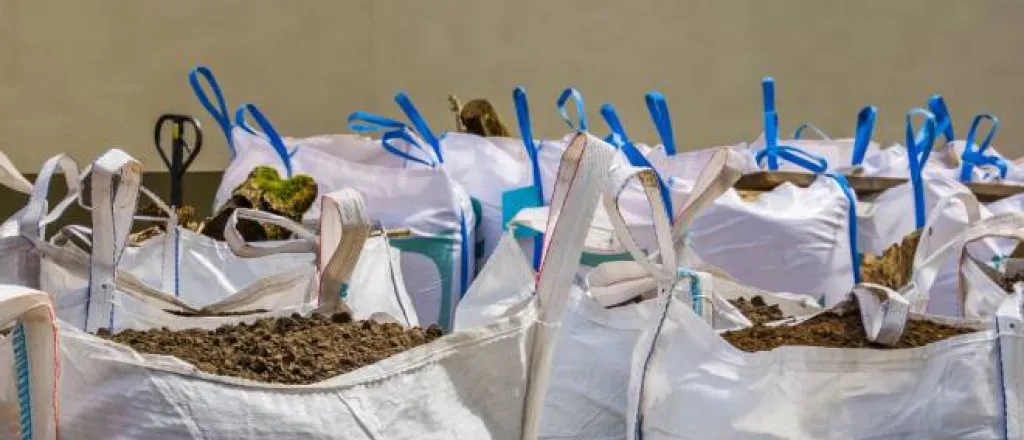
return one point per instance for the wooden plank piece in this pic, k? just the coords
(863, 185)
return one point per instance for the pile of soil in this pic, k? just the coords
(288, 350)
(1008, 282)
(840, 328)
(894, 268)
(758, 311)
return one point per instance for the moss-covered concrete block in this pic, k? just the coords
(265, 190)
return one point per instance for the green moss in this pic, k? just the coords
(265, 190)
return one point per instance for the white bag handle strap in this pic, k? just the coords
(619, 178)
(1003, 225)
(155, 199)
(116, 178)
(582, 174)
(11, 177)
(36, 360)
(883, 312)
(928, 261)
(344, 228)
(35, 218)
(306, 243)
(723, 170)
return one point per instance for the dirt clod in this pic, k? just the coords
(840, 328)
(1008, 282)
(758, 311)
(289, 350)
(894, 268)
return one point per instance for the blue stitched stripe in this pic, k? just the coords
(637, 427)
(21, 372)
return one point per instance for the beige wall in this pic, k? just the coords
(81, 76)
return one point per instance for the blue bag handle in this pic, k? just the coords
(864, 132)
(658, 108)
(240, 122)
(919, 147)
(578, 98)
(799, 132)
(270, 133)
(387, 141)
(772, 150)
(944, 123)
(803, 159)
(852, 198)
(618, 136)
(403, 101)
(365, 122)
(972, 157)
(526, 131)
(619, 139)
(392, 129)
(218, 112)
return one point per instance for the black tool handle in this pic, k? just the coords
(182, 153)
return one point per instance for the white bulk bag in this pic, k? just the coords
(482, 383)
(438, 255)
(19, 262)
(90, 292)
(790, 240)
(483, 169)
(29, 365)
(311, 155)
(195, 268)
(690, 383)
(807, 231)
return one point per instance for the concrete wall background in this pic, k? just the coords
(84, 76)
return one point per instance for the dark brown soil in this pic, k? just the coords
(757, 311)
(841, 328)
(6, 331)
(203, 313)
(1008, 282)
(894, 268)
(289, 350)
